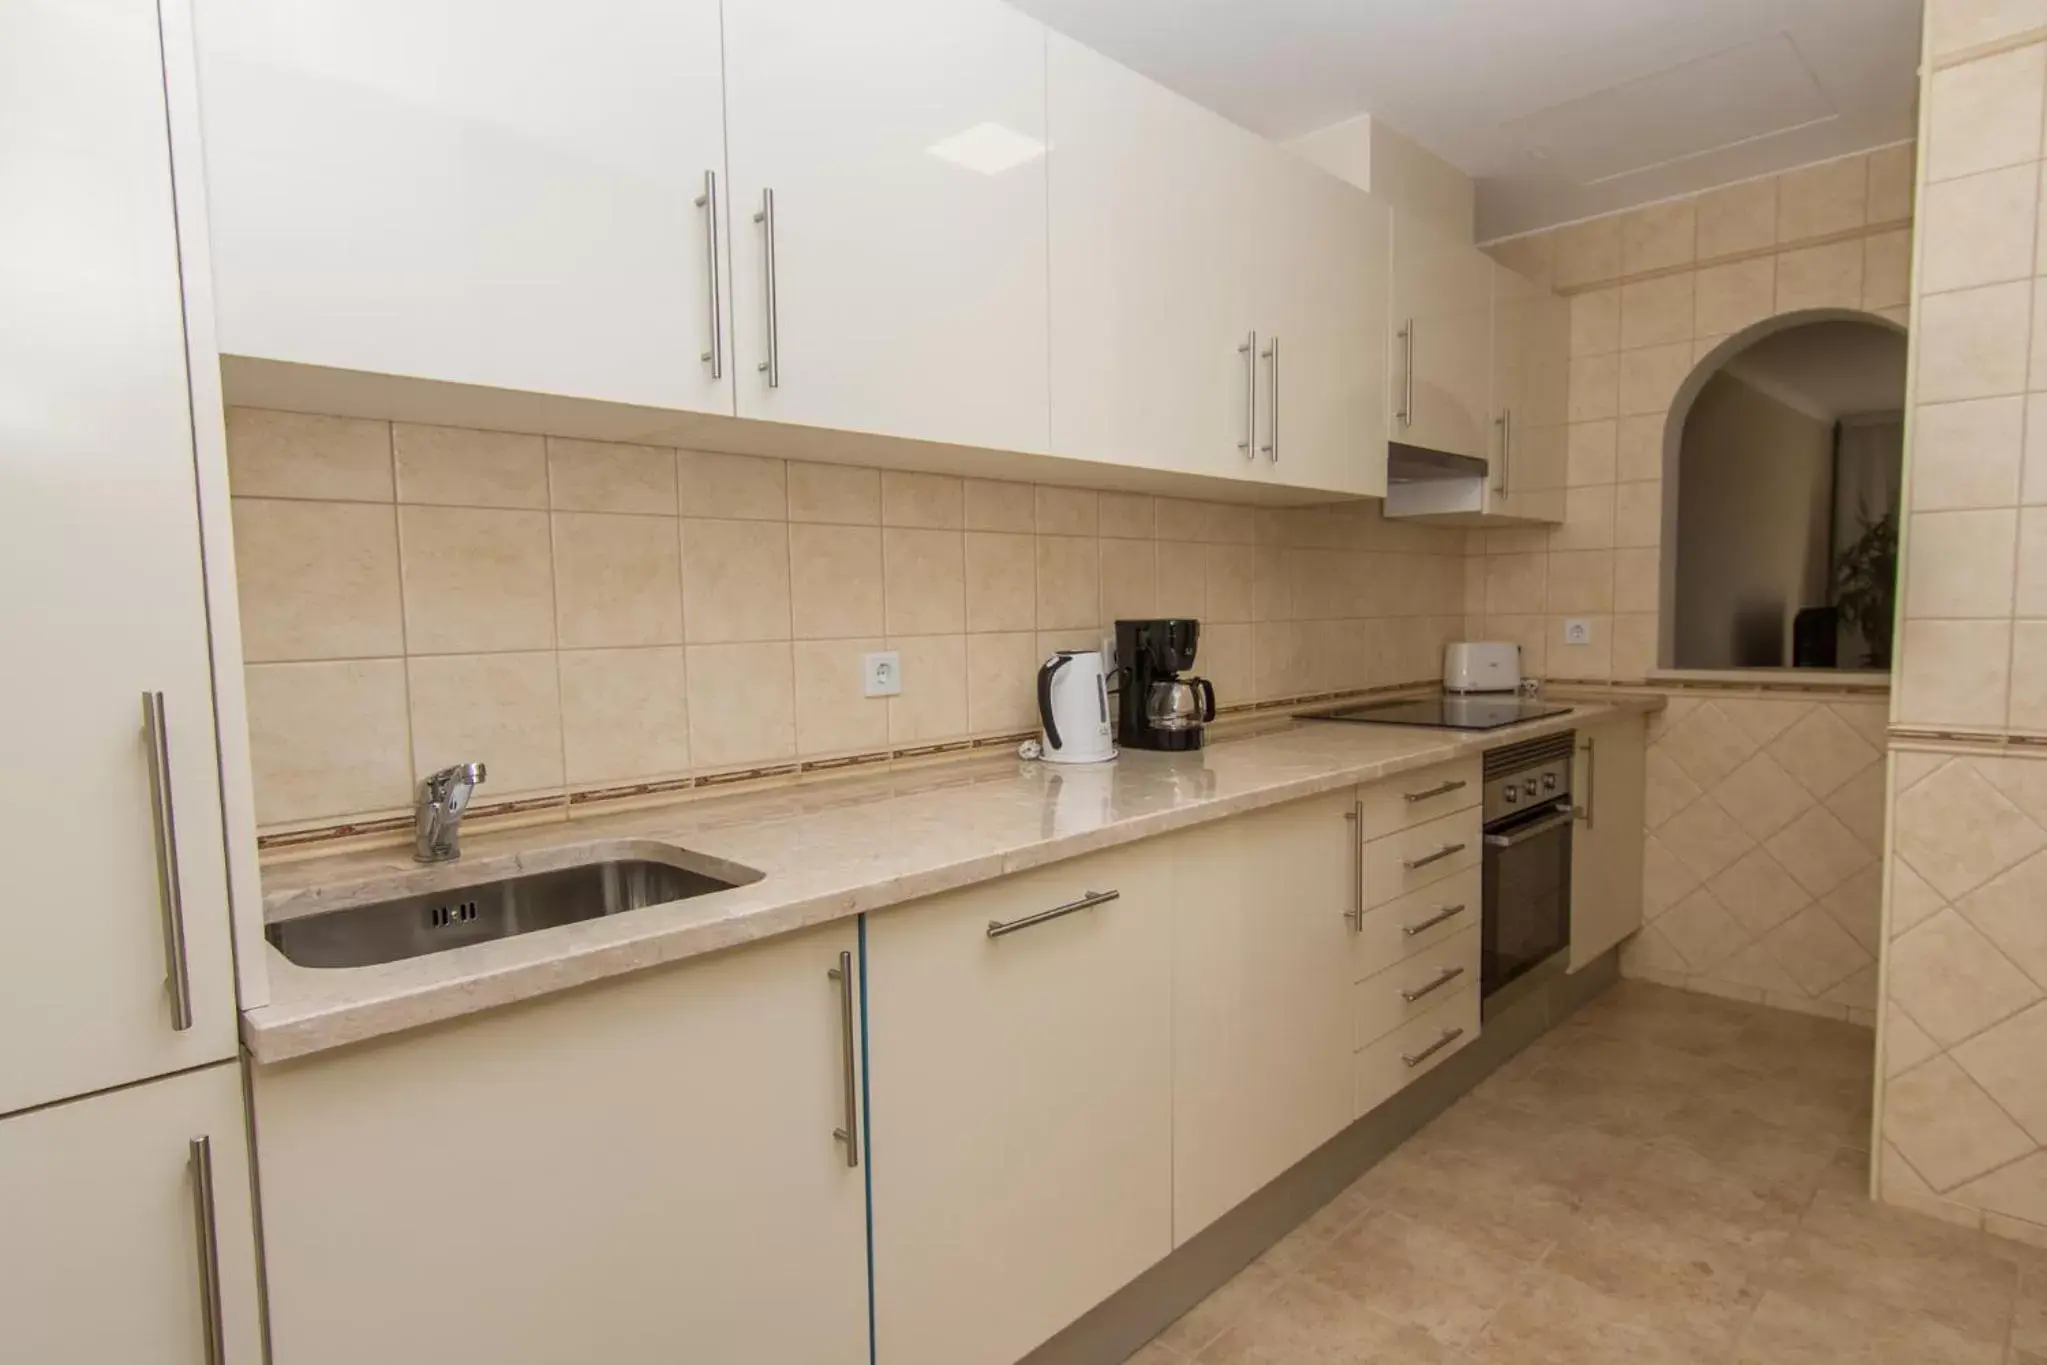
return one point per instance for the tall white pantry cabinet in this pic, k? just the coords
(124, 1168)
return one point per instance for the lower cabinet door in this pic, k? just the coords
(643, 1171)
(1022, 1105)
(125, 1227)
(1608, 784)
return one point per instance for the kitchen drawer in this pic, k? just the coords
(1422, 856)
(1380, 1004)
(1447, 907)
(1415, 798)
(1396, 1061)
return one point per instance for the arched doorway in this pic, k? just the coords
(1782, 466)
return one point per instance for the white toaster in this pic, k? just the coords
(1481, 666)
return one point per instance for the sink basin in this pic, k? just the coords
(399, 927)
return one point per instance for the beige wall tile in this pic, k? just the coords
(1817, 201)
(1943, 1123)
(2036, 372)
(1892, 172)
(1972, 343)
(1002, 671)
(503, 710)
(1594, 388)
(1001, 581)
(291, 455)
(1952, 25)
(1589, 452)
(1656, 311)
(732, 487)
(1967, 454)
(735, 582)
(742, 704)
(1634, 646)
(933, 704)
(318, 580)
(1067, 511)
(993, 506)
(1183, 578)
(1639, 449)
(1733, 296)
(1588, 253)
(2033, 472)
(835, 584)
(2028, 709)
(833, 715)
(1069, 584)
(1129, 576)
(924, 581)
(1960, 564)
(1533, 257)
(475, 580)
(1581, 581)
(1636, 583)
(1820, 277)
(1887, 270)
(617, 580)
(1516, 585)
(1588, 520)
(1225, 659)
(1231, 583)
(1127, 516)
(2031, 588)
(1979, 229)
(625, 715)
(601, 476)
(931, 501)
(458, 467)
(1650, 378)
(1638, 514)
(841, 493)
(1737, 218)
(1227, 524)
(1658, 236)
(1986, 114)
(328, 740)
(1953, 673)
(1596, 322)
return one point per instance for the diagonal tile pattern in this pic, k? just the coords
(1762, 878)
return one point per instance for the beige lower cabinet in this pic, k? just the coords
(1608, 783)
(1020, 1036)
(1262, 925)
(125, 1228)
(642, 1171)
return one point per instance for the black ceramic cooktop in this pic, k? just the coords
(1446, 711)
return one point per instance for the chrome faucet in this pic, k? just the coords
(437, 821)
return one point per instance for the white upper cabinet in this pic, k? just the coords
(1441, 368)
(115, 911)
(898, 285)
(1531, 349)
(497, 192)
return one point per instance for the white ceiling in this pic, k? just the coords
(1561, 109)
(1828, 370)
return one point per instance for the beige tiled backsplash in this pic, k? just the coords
(586, 616)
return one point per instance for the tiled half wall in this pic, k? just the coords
(586, 617)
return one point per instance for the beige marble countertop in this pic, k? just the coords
(826, 850)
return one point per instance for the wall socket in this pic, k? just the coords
(881, 674)
(1577, 631)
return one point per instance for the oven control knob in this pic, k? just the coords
(1549, 782)
(1529, 786)
(1510, 794)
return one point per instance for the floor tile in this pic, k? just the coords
(1304, 1322)
(1424, 1275)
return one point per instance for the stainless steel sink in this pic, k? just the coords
(399, 927)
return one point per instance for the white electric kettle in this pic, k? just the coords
(1073, 707)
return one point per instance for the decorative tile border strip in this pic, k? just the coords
(1732, 257)
(1996, 47)
(1969, 741)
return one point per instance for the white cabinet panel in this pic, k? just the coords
(640, 1173)
(1441, 370)
(1155, 272)
(100, 551)
(1531, 350)
(1608, 782)
(904, 146)
(1023, 1106)
(492, 192)
(1416, 1048)
(101, 1236)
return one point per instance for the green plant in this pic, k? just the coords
(1866, 587)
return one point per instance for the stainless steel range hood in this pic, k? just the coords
(1423, 482)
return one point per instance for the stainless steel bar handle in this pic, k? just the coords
(1272, 404)
(1507, 451)
(1249, 350)
(1443, 978)
(1500, 483)
(1587, 812)
(1438, 856)
(169, 885)
(1440, 789)
(1563, 816)
(772, 366)
(1447, 913)
(850, 1134)
(1443, 1040)
(1088, 901)
(1355, 916)
(1407, 368)
(708, 202)
(206, 1228)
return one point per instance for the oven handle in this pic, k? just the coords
(1558, 817)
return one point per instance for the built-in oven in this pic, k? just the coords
(1527, 905)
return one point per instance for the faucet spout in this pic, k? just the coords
(437, 819)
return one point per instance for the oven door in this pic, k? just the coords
(1527, 893)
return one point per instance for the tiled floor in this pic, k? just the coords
(1667, 1179)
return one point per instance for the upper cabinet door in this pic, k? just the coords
(1322, 343)
(117, 882)
(1155, 255)
(898, 284)
(1442, 368)
(496, 192)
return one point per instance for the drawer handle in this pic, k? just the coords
(1447, 1037)
(1447, 850)
(1443, 978)
(1448, 912)
(997, 928)
(1440, 789)
(206, 1229)
(849, 1078)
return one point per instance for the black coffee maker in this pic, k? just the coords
(1156, 708)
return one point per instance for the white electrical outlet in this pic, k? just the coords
(881, 674)
(1577, 631)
